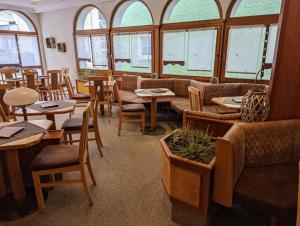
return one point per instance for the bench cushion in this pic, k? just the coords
(75, 124)
(127, 96)
(179, 104)
(181, 87)
(271, 190)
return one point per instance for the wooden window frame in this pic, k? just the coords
(265, 20)
(152, 29)
(184, 26)
(23, 33)
(89, 33)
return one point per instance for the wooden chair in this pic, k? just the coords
(130, 110)
(3, 115)
(54, 88)
(58, 159)
(30, 80)
(72, 126)
(64, 71)
(8, 73)
(97, 87)
(79, 97)
(195, 99)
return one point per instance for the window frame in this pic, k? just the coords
(23, 33)
(89, 33)
(265, 20)
(218, 24)
(152, 29)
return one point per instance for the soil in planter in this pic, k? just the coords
(192, 145)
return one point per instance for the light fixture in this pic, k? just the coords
(21, 97)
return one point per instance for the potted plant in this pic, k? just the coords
(188, 159)
(83, 78)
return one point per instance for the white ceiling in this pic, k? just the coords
(47, 5)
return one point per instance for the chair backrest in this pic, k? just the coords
(8, 73)
(96, 84)
(83, 145)
(30, 79)
(69, 85)
(54, 79)
(28, 69)
(105, 73)
(195, 99)
(116, 92)
(64, 71)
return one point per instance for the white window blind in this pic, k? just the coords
(99, 48)
(141, 50)
(8, 50)
(245, 46)
(271, 43)
(173, 46)
(84, 52)
(29, 51)
(121, 46)
(201, 49)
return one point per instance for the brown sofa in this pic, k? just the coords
(257, 167)
(180, 87)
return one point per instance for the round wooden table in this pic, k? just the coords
(19, 201)
(50, 114)
(154, 129)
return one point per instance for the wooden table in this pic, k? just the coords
(149, 94)
(227, 102)
(50, 114)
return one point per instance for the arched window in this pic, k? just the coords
(132, 37)
(91, 39)
(19, 45)
(250, 38)
(190, 33)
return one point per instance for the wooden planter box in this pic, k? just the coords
(185, 180)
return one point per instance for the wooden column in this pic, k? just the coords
(285, 80)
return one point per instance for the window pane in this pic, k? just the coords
(8, 50)
(84, 52)
(99, 47)
(91, 18)
(132, 52)
(29, 51)
(271, 43)
(255, 7)
(189, 52)
(132, 13)
(245, 50)
(191, 10)
(14, 21)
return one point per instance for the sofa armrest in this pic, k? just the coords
(230, 162)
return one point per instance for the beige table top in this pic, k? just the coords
(227, 102)
(147, 93)
(28, 141)
(31, 112)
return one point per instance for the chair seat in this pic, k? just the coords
(133, 108)
(217, 109)
(271, 190)
(81, 96)
(75, 124)
(56, 156)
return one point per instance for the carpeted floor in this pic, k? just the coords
(129, 190)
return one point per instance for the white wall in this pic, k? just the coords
(59, 24)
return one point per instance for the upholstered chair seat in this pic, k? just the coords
(75, 124)
(81, 96)
(56, 156)
(133, 108)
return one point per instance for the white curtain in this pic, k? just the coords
(173, 46)
(141, 50)
(8, 50)
(99, 50)
(84, 52)
(271, 43)
(201, 49)
(29, 51)
(121, 46)
(245, 45)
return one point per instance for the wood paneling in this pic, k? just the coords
(285, 80)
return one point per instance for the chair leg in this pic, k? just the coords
(85, 186)
(88, 163)
(38, 192)
(98, 141)
(143, 123)
(120, 126)
(70, 139)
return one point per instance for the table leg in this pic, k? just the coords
(51, 117)
(153, 113)
(15, 174)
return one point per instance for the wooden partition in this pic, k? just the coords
(285, 81)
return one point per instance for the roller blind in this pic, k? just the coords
(29, 51)
(173, 46)
(99, 50)
(8, 50)
(121, 46)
